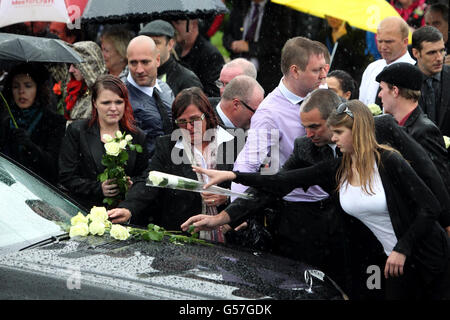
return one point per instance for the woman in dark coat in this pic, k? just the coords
(36, 141)
(379, 188)
(80, 160)
(201, 141)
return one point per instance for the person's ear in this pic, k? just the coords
(415, 53)
(347, 95)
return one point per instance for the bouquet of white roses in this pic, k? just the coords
(165, 180)
(115, 160)
(96, 223)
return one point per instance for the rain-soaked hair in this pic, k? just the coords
(114, 84)
(357, 117)
(297, 51)
(195, 96)
(40, 76)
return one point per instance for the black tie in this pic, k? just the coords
(166, 124)
(338, 153)
(250, 35)
(430, 100)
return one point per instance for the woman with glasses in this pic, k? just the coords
(199, 141)
(373, 183)
(80, 159)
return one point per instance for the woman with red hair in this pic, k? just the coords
(80, 160)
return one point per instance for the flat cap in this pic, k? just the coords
(402, 75)
(158, 28)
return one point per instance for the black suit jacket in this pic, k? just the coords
(275, 31)
(443, 108)
(173, 206)
(80, 162)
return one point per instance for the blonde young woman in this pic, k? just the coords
(377, 186)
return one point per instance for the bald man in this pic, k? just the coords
(151, 98)
(392, 42)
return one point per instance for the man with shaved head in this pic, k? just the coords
(150, 98)
(392, 43)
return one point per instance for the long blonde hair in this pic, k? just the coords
(365, 146)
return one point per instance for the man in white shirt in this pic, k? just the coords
(392, 42)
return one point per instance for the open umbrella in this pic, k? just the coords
(14, 47)
(362, 14)
(16, 11)
(122, 11)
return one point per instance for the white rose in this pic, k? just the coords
(80, 229)
(112, 149)
(79, 218)
(128, 137)
(119, 134)
(374, 108)
(97, 228)
(155, 177)
(98, 214)
(107, 138)
(119, 232)
(447, 142)
(123, 144)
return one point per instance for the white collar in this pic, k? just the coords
(147, 90)
(292, 97)
(226, 121)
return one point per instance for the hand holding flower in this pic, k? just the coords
(110, 188)
(215, 176)
(119, 215)
(212, 199)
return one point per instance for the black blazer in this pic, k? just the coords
(42, 158)
(275, 31)
(174, 206)
(413, 208)
(80, 162)
(444, 104)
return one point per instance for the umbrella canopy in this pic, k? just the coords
(362, 14)
(122, 11)
(15, 47)
(12, 12)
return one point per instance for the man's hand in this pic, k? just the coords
(394, 264)
(119, 215)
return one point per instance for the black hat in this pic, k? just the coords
(402, 75)
(158, 28)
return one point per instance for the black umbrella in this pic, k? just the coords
(123, 11)
(14, 47)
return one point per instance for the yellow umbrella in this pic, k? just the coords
(362, 14)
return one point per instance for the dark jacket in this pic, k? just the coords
(178, 77)
(174, 206)
(41, 156)
(80, 162)
(206, 62)
(412, 207)
(442, 102)
(350, 53)
(274, 32)
(147, 115)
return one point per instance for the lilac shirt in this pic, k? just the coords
(273, 129)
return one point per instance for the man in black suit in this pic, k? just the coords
(257, 30)
(429, 50)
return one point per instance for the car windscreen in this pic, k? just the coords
(31, 211)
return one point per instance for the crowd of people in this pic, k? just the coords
(285, 119)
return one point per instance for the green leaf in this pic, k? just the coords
(103, 176)
(138, 148)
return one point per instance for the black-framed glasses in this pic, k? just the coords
(219, 84)
(247, 106)
(343, 108)
(184, 122)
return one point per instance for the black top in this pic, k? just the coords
(178, 77)
(80, 162)
(38, 151)
(206, 62)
